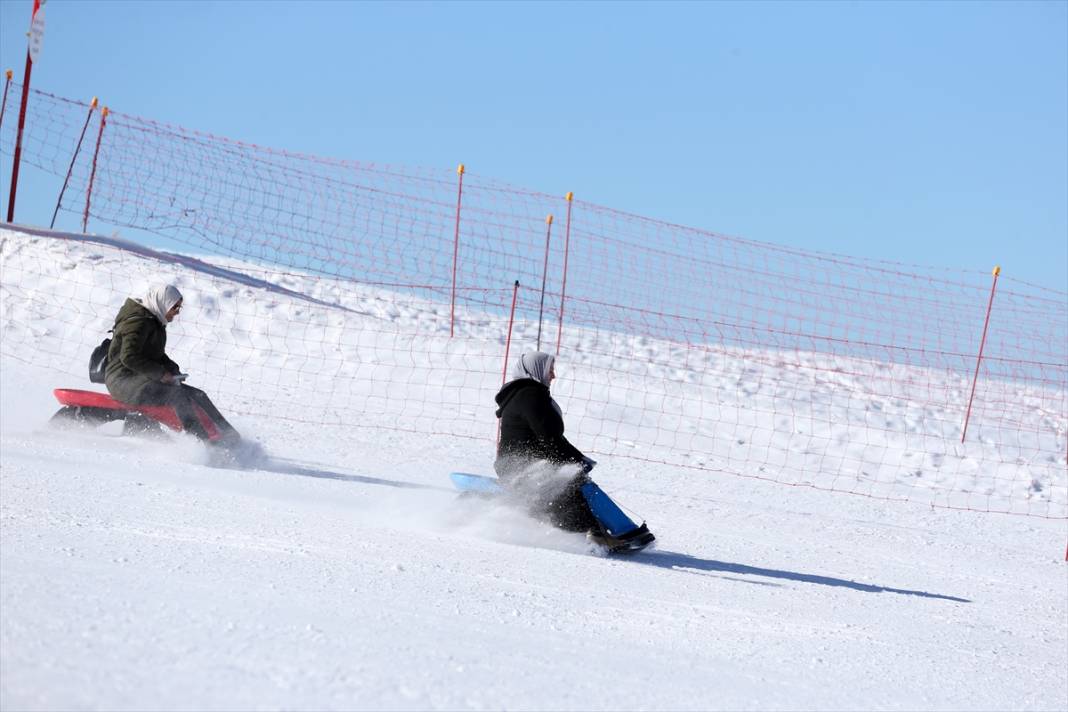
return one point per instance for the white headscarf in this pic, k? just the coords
(533, 364)
(159, 301)
(536, 365)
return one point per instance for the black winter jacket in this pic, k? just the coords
(531, 428)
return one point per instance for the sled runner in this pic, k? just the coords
(93, 408)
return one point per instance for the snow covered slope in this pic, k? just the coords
(341, 571)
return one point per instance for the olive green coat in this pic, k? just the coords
(136, 356)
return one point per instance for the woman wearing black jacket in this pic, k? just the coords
(534, 459)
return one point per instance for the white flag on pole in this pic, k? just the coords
(37, 27)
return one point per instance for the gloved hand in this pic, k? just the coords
(588, 464)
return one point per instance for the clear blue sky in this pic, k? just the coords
(924, 133)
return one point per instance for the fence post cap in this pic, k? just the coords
(549, 218)
(569, 196)
(460, 169)
(8, 74)
(93, 103)
(997, 270)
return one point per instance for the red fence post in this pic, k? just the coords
(563, 287)
(32, 52)
(77, 150)
(508, 347)
(3, 103)
(92, 173)
(456, 251)
(982, 343)
(18, 143)
(544, 274)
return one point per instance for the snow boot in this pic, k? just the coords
(631, 542)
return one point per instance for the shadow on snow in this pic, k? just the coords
(673, 560)
(286, 467)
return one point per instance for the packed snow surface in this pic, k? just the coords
(337, 569)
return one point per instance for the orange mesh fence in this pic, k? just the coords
(680, 346)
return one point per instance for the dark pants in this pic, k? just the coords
(548, 493)
(182, 398)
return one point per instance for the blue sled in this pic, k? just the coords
(466, 482)
(623, 533)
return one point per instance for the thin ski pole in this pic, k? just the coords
(508, 347)
(3, 104)
(563, 287)
(73, 158)
(979, 360)
(544, 274)
(456, 250)
(92, 173)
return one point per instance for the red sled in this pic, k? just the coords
(93, 408)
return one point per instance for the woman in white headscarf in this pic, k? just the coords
(139, 372)
(533, 453)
